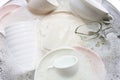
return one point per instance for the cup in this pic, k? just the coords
(21, 40)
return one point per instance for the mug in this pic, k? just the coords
(21, 40)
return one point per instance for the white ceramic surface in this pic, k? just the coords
(3, 2)
(65, 65)
(5, 11)
(88, 9)
(21, 39)
(42, 6)
(71, 64)
(58, 30)
(65, 62)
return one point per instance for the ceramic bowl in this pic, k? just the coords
(42, 6)
(90, 10)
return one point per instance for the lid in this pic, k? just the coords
(70, 64)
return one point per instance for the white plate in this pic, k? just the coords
(81, 64)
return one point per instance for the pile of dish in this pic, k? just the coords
(48, 26)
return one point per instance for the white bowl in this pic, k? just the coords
(90, 10)
(42, 6)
